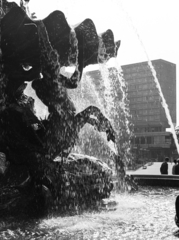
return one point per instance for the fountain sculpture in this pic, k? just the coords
(34, 51)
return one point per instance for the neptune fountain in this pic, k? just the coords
(34, 51)
(39, 172)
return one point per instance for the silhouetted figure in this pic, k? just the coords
(164, 166)
(177, 167)
(177, 211)
(174, 166)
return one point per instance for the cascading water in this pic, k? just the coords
(90, 141)
(123, 121)
(107, 91)
(112, 86)
(115, 89)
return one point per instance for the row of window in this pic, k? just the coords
(147, 129)
(137, 68)
(143, 93)
(145, 105)
(145, 111)
(152, 140)
(151, 85)
(137, 75)
(140, 80)
(143, 99)
(146, 118)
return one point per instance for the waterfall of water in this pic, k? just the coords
(117, 109)
(124, 119)
(108, 98)
(90, 141)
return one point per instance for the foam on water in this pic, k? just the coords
(128, 216)
(146, 214)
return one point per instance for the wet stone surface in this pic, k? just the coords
(147, 214)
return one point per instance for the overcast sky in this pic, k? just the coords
(155, 23)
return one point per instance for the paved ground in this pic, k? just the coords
(153, 169)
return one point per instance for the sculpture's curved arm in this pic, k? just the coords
(100, 122)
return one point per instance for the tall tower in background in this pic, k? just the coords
(145, 101)
(148, 115)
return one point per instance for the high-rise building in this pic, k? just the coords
(144, 97)
(148, 114)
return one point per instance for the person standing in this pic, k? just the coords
(177, 211)
(164, 166)
(174, 166)
(177, 167)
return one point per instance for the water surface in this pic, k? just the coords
(147, 214)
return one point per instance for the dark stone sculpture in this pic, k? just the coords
(33, 51)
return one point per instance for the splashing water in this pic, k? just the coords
(163, 101)
(113, 84)
(111, 89)
(124, 107)
(126, 217)
(109, 101)
(117, 109)
(124, 103)
(85, 95)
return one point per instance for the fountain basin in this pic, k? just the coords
(149, 175)
(156, 180)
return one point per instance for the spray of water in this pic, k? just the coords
(85, 95)
(108, 99)
(163, 101)
(125, 127)
(113, 84)
(124, 102)
(117, 110)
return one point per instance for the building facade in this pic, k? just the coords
(148, 115)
